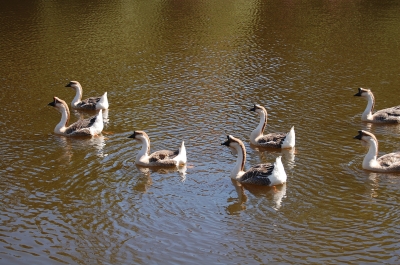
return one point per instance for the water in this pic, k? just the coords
(190, 71)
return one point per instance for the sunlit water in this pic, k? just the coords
(191, 70)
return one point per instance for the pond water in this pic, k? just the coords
(191, 70)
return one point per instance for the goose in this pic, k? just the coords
(159, 158)
(389, 115)
(275, 140)
(386, 163)
(262, 174)
(89, 103)
(83, 127)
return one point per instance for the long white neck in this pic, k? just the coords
(367, 114)
(78, 95)
(238, 170)
(257, 132)
(143, 155)
(62, 125)
(370, 158)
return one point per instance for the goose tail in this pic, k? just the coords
(103, 102)
(98, 125)
(279, 173)
(181, 157)
(290, 140)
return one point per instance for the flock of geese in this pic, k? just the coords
(269, 174)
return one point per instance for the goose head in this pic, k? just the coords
(258, 109)
(139, 135)
(366, 137)
(362, 92)
(74, 84)
(234, 144)
(144, 139)
(61, 107)
(59, 104)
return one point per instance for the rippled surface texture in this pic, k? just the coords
(191, 70)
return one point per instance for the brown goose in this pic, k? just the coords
(389, 115)
(275, 140)
(83, 127)
(386, 163)
(91, 103)
(159, 158)
(262, 174)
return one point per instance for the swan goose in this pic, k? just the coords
(386, 163)
(158, 158)
(275, 140)
(83, 127)
(89, 103)
(389, 115)
(262, 174)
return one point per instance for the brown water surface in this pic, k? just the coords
(190, 70)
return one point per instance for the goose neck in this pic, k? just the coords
(238, 170)
(370, 107)
(78, 95)
(259, 130)
(144, 152)
(371, 156)
(62, 125)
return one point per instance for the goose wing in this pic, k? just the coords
(258, 175)
(388, 115)
(163, 157)
(390, 161)
(81, 127)
(89, 103)
(272, 140)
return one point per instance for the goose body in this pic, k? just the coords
(83, 127)
(275, 140)
(386, 163)
(263, 174)
(389, 115)
(91, 103)
(159, 158)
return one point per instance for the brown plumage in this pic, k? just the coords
(89, 103)
(274, 140)
(258, 175)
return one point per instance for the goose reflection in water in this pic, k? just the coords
(160, 170)
(239, 202)
(98, 142)
(274, 194)
(65, 143)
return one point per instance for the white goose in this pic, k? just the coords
(276, 140)
(83, 127)
(262, 174)
(159, 158)
(389, 115)
(89, 103)
(386, 163)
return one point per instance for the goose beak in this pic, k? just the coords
(133, 135)
(227, 141)
(253, 108)
(53, 103)
(359, 136)
(68, 85)
(358, 94)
